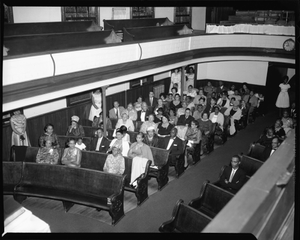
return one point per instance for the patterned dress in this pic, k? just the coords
(47, 155)
(19, 135)
(114, 164)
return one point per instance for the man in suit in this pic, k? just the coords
(100, 143)
(116, 111)
(268, 151)
(151, 102)
(220, 89)
(143, 114)
(233, 177)
(174, 145)
(186, 118)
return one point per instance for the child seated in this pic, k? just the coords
(79, 144)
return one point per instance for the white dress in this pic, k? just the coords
(98, 102)
(283, 99)
(176, 78)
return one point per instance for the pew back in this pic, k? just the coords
(185, 219)
(250, 165)
(211, 200)
(256, 151)
(118, 25)
(160, 156)
(70, 179)
(146, 33)
(12, 173)
(15, 29)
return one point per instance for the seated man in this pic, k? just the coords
(185, 119)
(233, 177)
(151, 101)
(142, 115)
(174, 145)
(268, 151)
(100, 143)
(116, 111)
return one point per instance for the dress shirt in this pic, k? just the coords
(273, 150)
(170, 143)
(98, 144)
(233, 171)
(143, 114)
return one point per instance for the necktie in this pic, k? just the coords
(117, 113)
(231, 175)
(151, 101)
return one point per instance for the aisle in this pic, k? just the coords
(158, 208)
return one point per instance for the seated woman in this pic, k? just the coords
(206, 127)
(172, 117)
(49, 134)
(181, 110)
(223, 102)
(158, 116)
(72, 155)
(232, 116)
(176, 103)
(199, 109)
(244, 109)
(140, 154)
(149, 123)
(125, 121)
(287, 121)
(191, 91)
(120, 143)
(98, 122)
(209, 89)
(131, 112)
(160, 104)
(217, 117)
(138, 104)
(47, 153)
(278, 130)
(193, 137)
(75, 129)
(115, 162)
(164, 128)
(266, 139)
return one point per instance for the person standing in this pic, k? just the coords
(176, 80)
(18, 125)
(283, 99)
(96, 107)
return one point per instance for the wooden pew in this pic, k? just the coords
(89, 131)
(12, 173)
(119, 24)
(250, 165)
(28, 154)
(15, 29)
(211, 200)
(96, 161)
(185, 219)
(160, 170)
(147, 33)
(63, 140)
(87, 187)
(34, 44)
(256, 151)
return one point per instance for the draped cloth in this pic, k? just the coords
(138, 167)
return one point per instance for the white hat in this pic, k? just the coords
(75, 118)
(150, 128)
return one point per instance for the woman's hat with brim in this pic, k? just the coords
(75, 118)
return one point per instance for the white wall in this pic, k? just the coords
(235, 71)
(36, 14)
(198, 18)
(162, 12)
(45, 108)
(160, 76)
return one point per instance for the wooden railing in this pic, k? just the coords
(263, 203)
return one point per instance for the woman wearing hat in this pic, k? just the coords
(233, 114)
(118, 142)
(151, 138)
(75, 129)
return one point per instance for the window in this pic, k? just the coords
(183, 15)
(80, 14)
(142, 12)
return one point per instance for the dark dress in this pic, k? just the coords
(164, 131)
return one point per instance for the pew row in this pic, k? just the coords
(94, 161)
(147, 33)
(185, 219)
(50, 43)
(12, 174)
(119, 24)
(211, 200)
(87, 187)
(63, 141)
(256, 151)
(15, 29)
